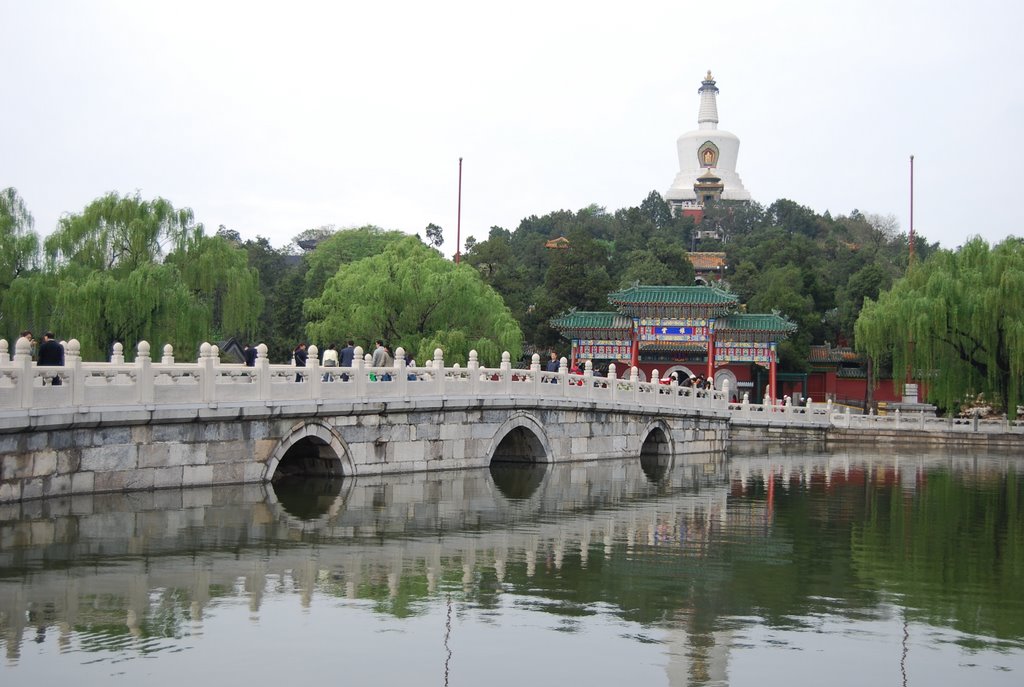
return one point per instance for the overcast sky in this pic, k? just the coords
(271, 118)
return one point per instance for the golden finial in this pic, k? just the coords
(709, 77)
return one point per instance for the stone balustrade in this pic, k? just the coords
(144, 383)
(27, 390)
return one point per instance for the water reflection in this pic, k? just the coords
(307, 498)
(691, 573)
(518, 480)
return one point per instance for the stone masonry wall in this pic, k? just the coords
(246, 443)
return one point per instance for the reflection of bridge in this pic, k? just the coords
(60, 553)
(144, 425)
(131, 565)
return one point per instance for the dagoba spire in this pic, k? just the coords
(707, 116)
(707, 158)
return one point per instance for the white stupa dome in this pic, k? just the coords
(707, 148)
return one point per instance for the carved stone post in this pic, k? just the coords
(73, 361)
(207, 383)
(263, 372)
(439, 372)
(401, 376)
(312, 373)
(143, 374)
(26, 375)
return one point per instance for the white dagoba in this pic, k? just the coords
(707, 153)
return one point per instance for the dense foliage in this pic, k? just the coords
(964, 312)
(814, 269)
(126, 269)
(412, 297)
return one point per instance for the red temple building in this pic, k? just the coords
(686, 329)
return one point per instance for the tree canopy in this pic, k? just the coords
(964, 312)
(127, 269)
(19, 248)
(410, 296)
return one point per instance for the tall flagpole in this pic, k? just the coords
(911, 258)
(910, 262)
(458, 220)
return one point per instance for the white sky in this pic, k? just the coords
(271, 118)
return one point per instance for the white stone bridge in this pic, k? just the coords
(145, 425)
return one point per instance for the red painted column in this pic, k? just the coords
(711, 354)
(771, 376)
(634, 352)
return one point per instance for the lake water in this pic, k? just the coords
(842, 568)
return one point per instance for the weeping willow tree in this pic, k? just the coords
(19, 253)
(127, 269)
(121, 233)
(412, 297)
(964, 312)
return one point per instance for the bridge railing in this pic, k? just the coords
(150, 384)
(27, 387)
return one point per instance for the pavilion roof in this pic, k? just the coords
(673, 295)
(750, 322)
(580, 319)
(833, 354)
(704, 262)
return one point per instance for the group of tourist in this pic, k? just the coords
(335, 357)
(49, 354)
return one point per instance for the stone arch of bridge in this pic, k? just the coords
(315, 440)
(657, 448)
(520, 439)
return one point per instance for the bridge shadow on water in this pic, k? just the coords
(518, 481)
(307, 498)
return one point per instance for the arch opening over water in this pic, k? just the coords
(656, 454)
(310, 456)
(520, 445)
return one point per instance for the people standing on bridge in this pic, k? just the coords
(389, 361)
(346, 356)
(330, 360)
(250, 354)
(300, 356)
(51, 354)
(552, 365)
(379, 354)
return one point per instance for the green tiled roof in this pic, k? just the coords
(592, 320)
(746, 322)
(674, 295)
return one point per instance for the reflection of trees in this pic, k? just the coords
(680, 554)
(954, 553)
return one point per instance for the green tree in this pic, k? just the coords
(410, 296)
(19, 252)
(435, 235)
(121, 233)
(342, 248)
(963, 311)
(126, 269)
(282, 283)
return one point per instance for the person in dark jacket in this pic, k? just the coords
(250, 355)
(51, 354)
(300, 358)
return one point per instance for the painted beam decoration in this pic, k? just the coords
(687, 330)
(742, 352)
(599, 349)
